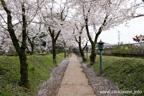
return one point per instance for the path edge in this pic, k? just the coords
(52, 85)
(98, 83)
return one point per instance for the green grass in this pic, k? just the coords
(40, 67)
(127, 72)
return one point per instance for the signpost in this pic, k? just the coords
(100, 47)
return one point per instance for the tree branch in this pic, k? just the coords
(87, 30)
(84, 46)
(57, 35)
(76, 39)
(24, 26)
(101, 28)
(10, 26)
(50, 31)
(140, 15)
(35, 12)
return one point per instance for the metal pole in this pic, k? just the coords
(142, 50)
(101, 71)
(87, 55)
(118, 38)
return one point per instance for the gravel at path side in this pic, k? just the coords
(100, 84)
(51, 87)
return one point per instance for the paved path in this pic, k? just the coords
(74, 82)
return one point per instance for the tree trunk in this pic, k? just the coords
(93, 55)
(83, 56)
(81, 52)
(31, 42)
(54, 50)
(32, 49)
(93, 43)
(54, 39)
(79, 43)
(22, 53)
(24, 70)
(65, 53)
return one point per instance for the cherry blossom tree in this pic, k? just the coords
(5, 42)
(54, 15)
(34, 32)
(65, 38)
(80, 38)
(101, 15)
(16, 16)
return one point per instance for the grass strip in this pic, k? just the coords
(40, 67)
(127, 72)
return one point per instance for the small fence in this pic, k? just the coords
(129, 53)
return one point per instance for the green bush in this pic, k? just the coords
(123, 49)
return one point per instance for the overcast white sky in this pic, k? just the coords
(136, 27)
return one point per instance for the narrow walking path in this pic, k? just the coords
(74, 82)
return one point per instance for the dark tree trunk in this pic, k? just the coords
(93, 55)
(83, 56)
(54, 39)
(31, 42)
(79, 43)
(22, 53)
(81, 51)
(65, 51)
(24, 70)
(93, 43)
(32, 49)
(54, 50)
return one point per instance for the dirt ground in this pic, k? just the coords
(75, 82)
